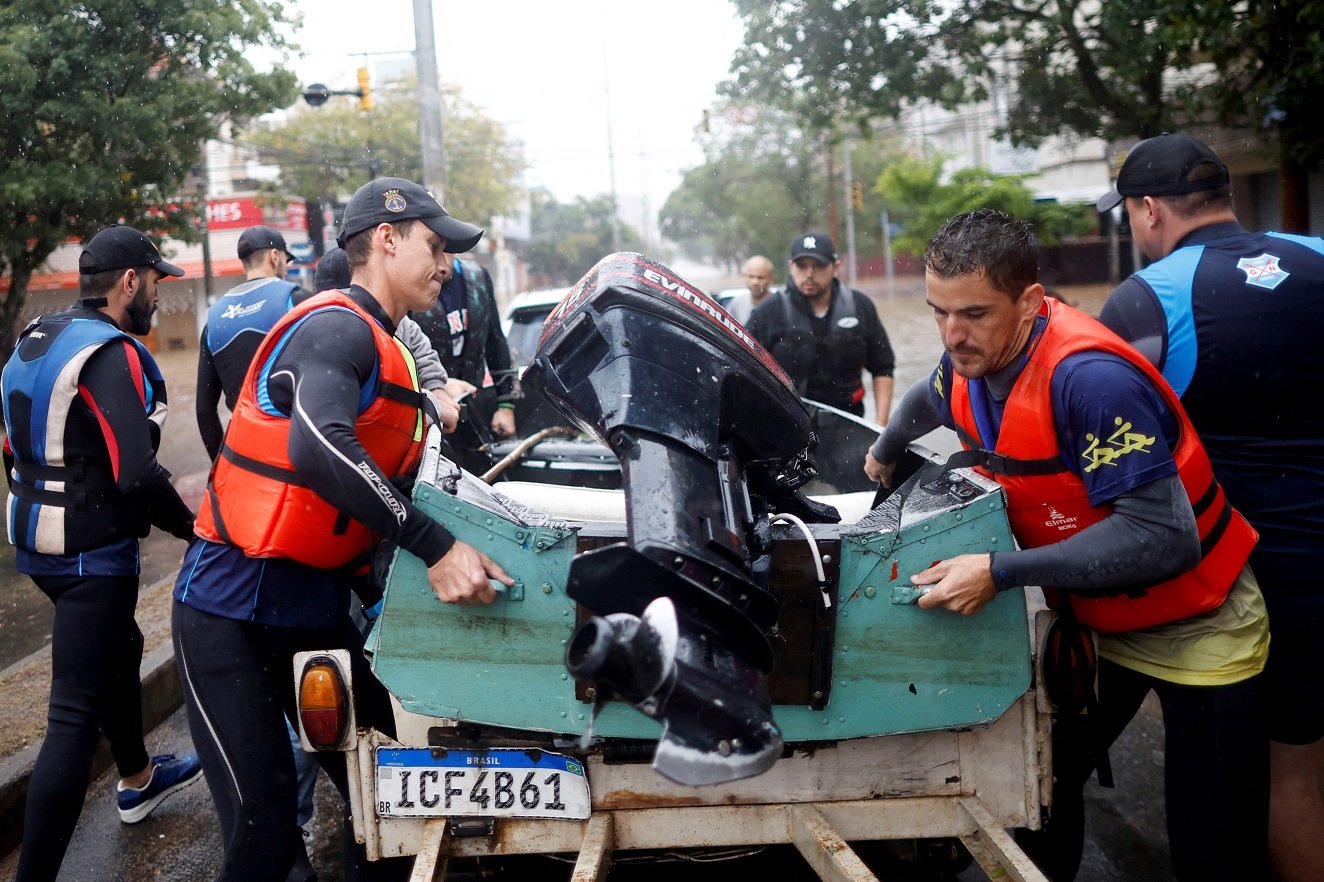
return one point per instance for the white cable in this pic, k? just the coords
(813, 547)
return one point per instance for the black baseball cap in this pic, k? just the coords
(1162, 166)
(121, 247)
(332, 271)
(387, 200)
(257, 238)
(817, 245)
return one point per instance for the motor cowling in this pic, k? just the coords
(711, 437)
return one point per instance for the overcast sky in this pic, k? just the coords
(550, 70)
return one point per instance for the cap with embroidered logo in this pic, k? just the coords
(1165, 165)
(388, 200)
(816, 245)
(121, 247)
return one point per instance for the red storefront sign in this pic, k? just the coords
(238, 214)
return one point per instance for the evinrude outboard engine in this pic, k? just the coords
(711, 438)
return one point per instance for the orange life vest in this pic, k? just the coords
(1048, 503)
(255, 499)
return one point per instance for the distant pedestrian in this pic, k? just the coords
(84, 404)
(757, 273)
(823, 334)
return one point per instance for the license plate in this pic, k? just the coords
(419, 782)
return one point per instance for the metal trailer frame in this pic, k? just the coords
(971, 784)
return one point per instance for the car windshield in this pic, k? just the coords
(525, 329)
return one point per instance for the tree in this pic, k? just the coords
(333, 149)
(1117, 70)
(761, 182)
(569, 238)
(918, 200)
(106, 106)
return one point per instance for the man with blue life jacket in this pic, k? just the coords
(1232, 320)
(823, 334)
(236, 324)
(328, 424)
(84, 404)
(1115, 508)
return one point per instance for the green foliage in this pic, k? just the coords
(918, 199)
(569, 238)
(333, 149)
(106, 105)
(1116, 69)
(765, 181)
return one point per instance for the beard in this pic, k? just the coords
(140, 309)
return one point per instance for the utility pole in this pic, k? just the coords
(200, 305)
(850, 210)
(611, 164)
(429, 100)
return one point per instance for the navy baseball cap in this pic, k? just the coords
(121, 247)
(332, 271)
(388, 200)
(257, 238)
(1163, 166)
(816, 245)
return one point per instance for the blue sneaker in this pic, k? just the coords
(169, 773)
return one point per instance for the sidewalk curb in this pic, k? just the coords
(161, 696)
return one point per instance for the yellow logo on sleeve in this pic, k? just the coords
(1118, 444)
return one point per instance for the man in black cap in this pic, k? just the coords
(824, 334)
(1232, 320)
(327, 426)
(236, 324)
(85, 404)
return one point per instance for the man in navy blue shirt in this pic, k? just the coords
(1117, 516)
(1232, 320)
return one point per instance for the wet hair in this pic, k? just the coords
(359, 245)
(988, 243)
(256, 258)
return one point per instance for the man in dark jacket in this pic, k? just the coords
(824, 334)
(84, 404)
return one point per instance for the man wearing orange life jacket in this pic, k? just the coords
(1113, 503)
(329, 421)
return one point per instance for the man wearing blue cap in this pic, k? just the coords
(85, 403)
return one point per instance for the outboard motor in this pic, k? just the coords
(711, 437)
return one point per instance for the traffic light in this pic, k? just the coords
(365, 89)
(856, 195)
